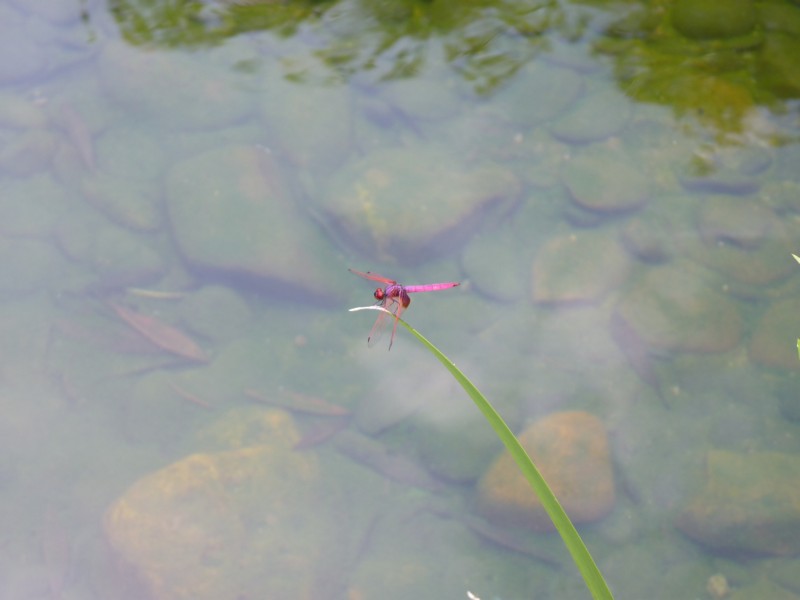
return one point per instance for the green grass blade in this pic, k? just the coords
(580, 554)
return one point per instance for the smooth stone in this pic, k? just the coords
(378, 412)
(646, 240)
(117, 257)
(579, 267)
(750, 160)
(724, 171)
(135, 204)
(742, 222)
(482, 255)
(762, 589)
(711, 19)
(783, 195)
(434, 430)
(404, 560)
(209, 525)
(606, 180)
(27, 266)
(788, 399)
(216, 313)
(673, 308)
(159, 412)
(424, 99)
(247, 427)
(772, 343)
(778, 69)
(752, 268)
(27, 153)
(785, 165)
(747, 503)
(311, 125)
(17, 112)
(724, 182)
(367, 203)
(571, 450)
(130, 152)
(202, 94)
(595, 118)
(23, 57)
(780, 16)
(234, 218)
(784, 571)
(32, 207)
(58, 11)
(537, 94)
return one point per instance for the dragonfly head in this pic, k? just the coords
(379, 294)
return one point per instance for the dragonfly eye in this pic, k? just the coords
(379, 295)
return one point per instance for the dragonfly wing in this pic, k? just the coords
(430, 287)
(397, 313)
(373, 276)
(378, 328)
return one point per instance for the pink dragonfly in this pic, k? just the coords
(395, 298)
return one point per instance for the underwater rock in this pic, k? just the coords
(202, 93)
(31, 207)
(502, 247)
(711, 19)
(763, 588)
(778, 69)
(411, 205)
(234, 218)
(537, 94)
(129, 151)
(722, 182)
(581, 267)
(23, 55)
(217, 525)
(116, 256)
(772, 343)
(420, 99)
(748, 503)
(673, 308)
(216, 313)
(27, 153)
(605, 180)
(309, 124)
(18, 112)
(131, 203)
(27, 266)
(729, 171)
(571, 450)
(647, 239)
(595, 118)
(748, 270)
(742, 222)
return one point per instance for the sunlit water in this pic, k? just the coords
(182, 190)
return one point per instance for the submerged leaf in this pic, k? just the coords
(161, 334)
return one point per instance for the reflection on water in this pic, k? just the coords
(183, 188)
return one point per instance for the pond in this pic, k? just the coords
(189, 409)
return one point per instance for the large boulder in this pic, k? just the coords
(747, 503)
(234, 216)
(571, 451)
(237, 523)
(411, 205)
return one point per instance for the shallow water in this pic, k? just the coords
(183, 189)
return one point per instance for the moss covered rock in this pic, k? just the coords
(709, 19)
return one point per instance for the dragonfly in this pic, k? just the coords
(394, 298)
